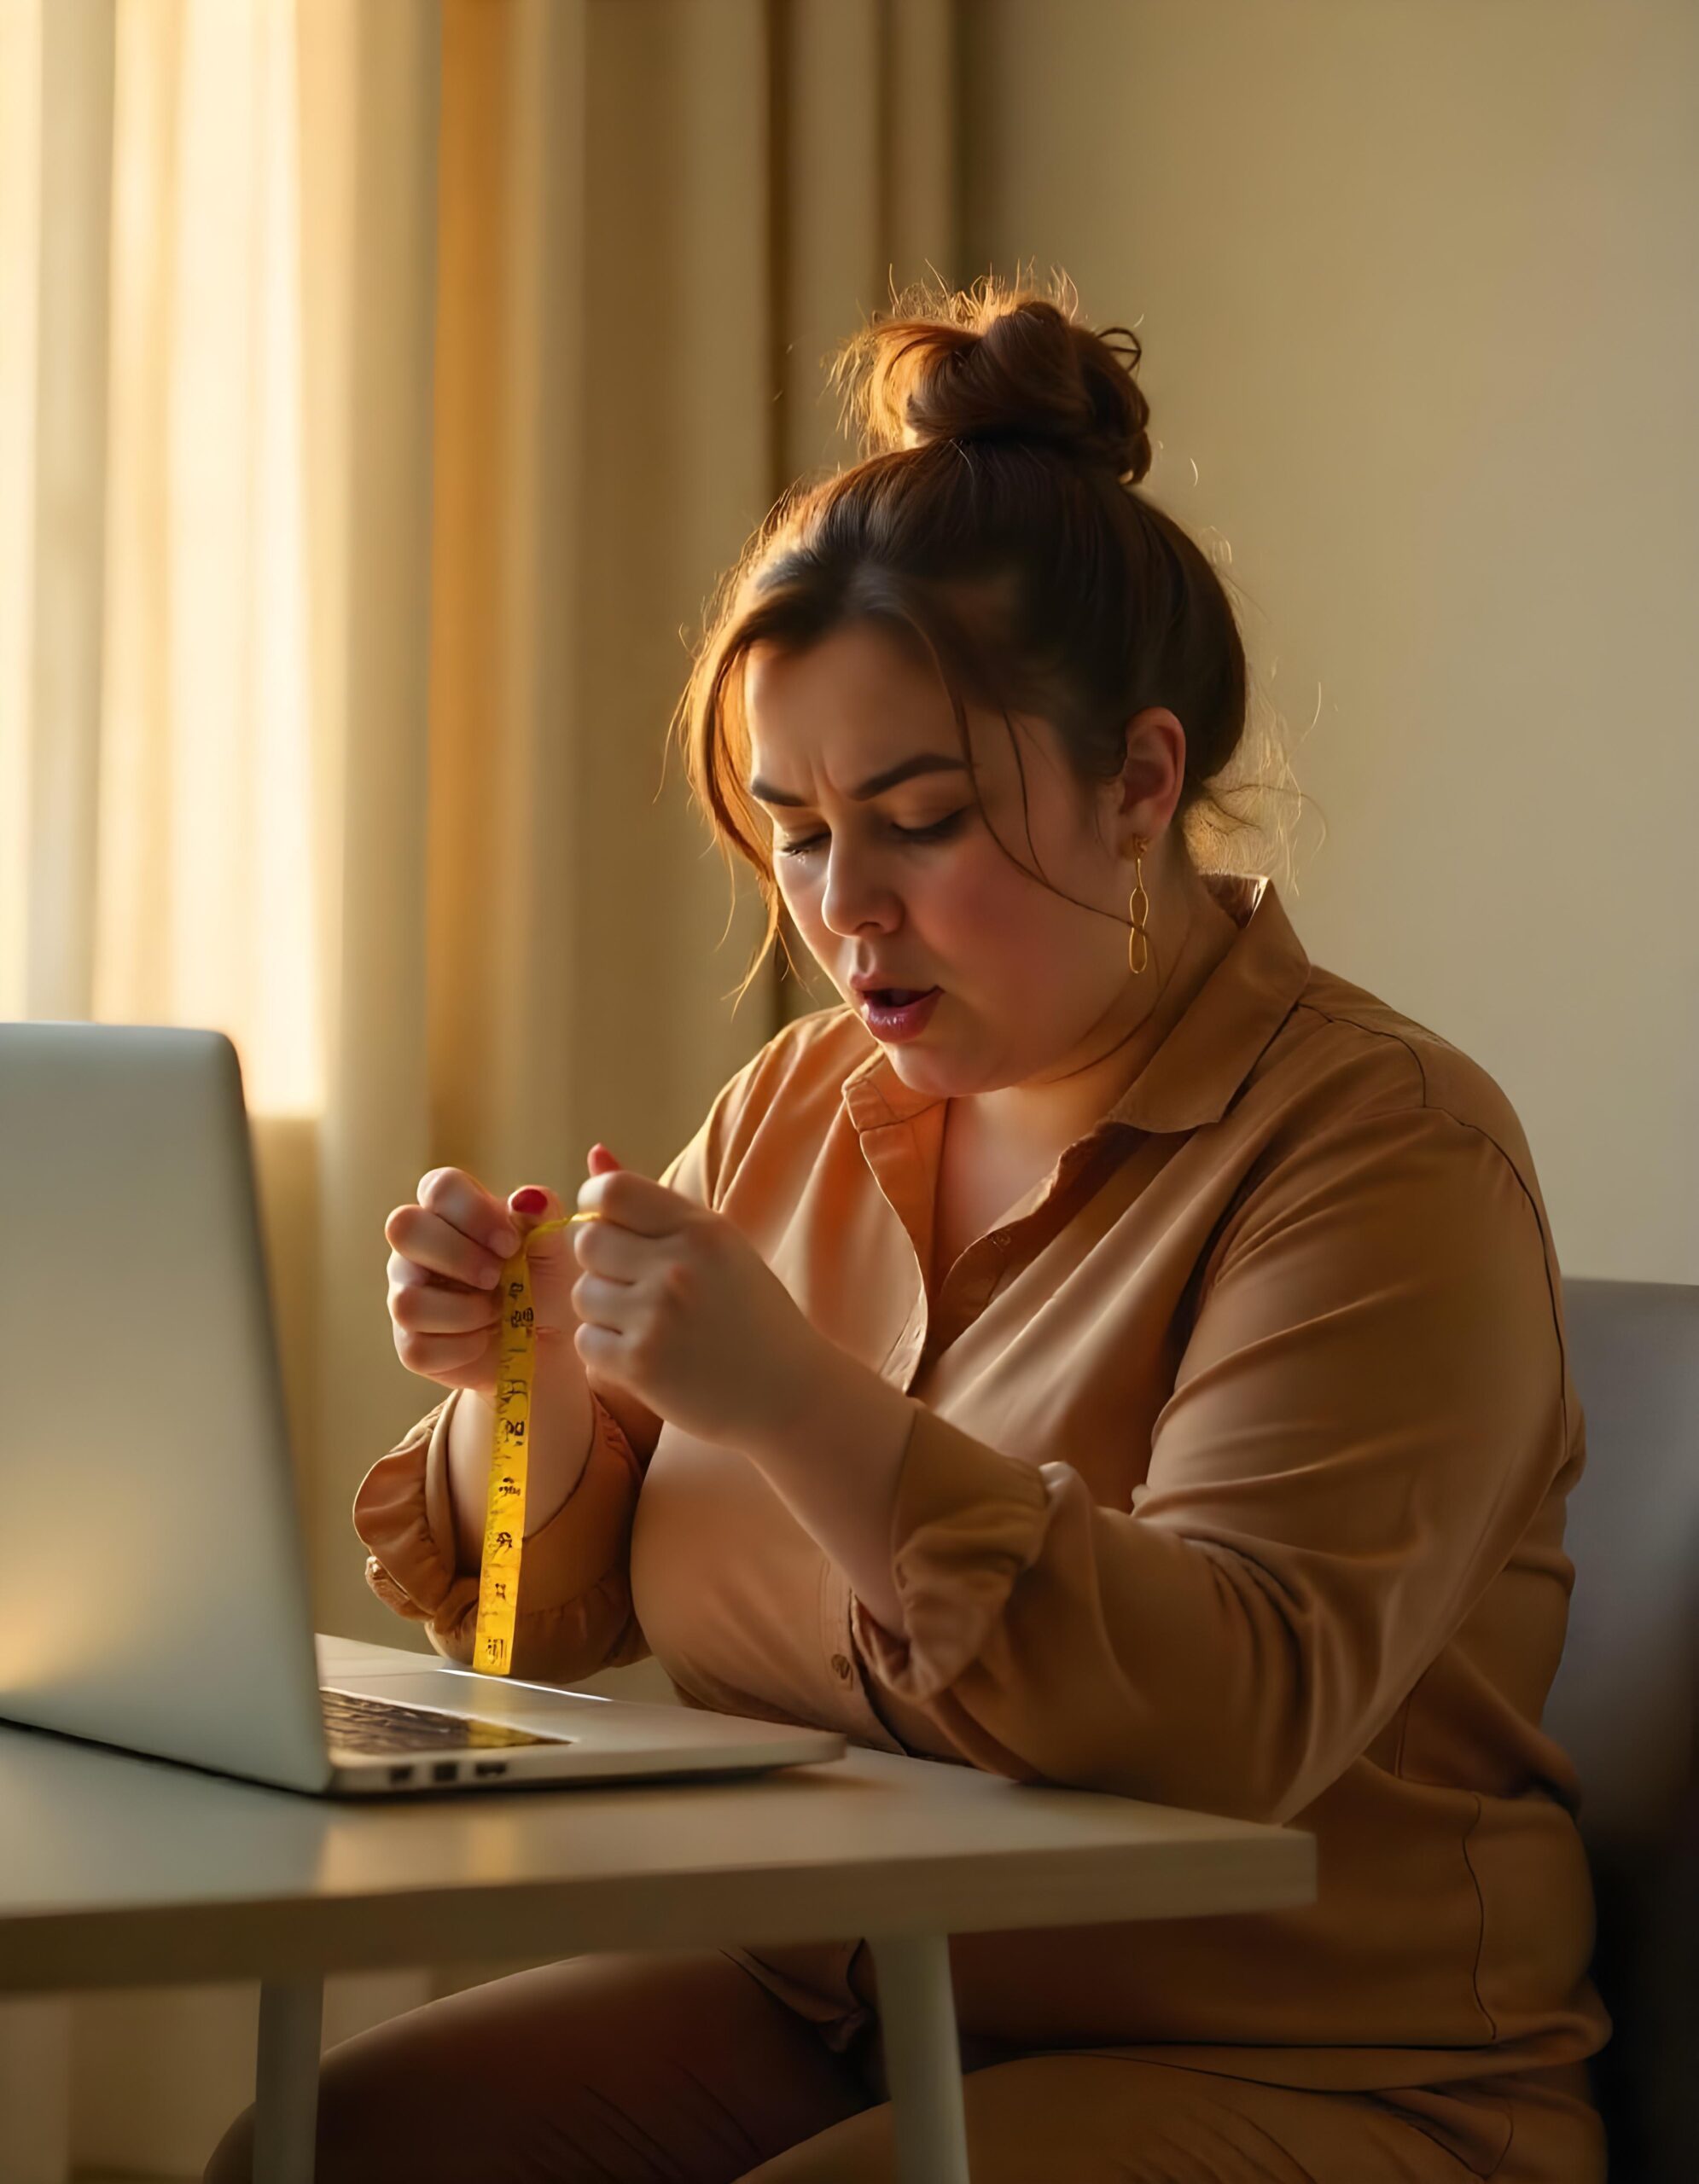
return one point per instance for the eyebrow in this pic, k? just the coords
(924, 762)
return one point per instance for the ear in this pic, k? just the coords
(1154, 772)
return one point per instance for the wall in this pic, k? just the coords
(1416, 285)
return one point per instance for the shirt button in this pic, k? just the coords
(841, 1667)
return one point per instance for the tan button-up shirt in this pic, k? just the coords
(1236, 1481)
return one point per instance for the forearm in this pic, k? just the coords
(834, 1456)
(558, 1444)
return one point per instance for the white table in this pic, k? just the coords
(117, 1870)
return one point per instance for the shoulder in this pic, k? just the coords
(1381, 1178)
(1358, 1120)
(1345, 1057)
(1373, 1161)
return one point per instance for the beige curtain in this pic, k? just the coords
(381, 390)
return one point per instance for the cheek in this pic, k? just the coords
(969, 905)
(798, 897)
(993, 908)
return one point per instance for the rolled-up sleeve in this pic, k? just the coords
(1368, 1412)
(573, 1613)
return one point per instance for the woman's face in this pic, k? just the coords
(908, 884)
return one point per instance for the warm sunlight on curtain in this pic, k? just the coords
(19, 179)
(176, 792)
(382, 388)
(205, 854)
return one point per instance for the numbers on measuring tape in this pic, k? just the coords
(504, 1510)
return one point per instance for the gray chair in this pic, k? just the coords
(1624, 1706)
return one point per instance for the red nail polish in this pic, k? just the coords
(530, 1200)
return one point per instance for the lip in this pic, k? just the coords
(892, 1026)
(874, 983)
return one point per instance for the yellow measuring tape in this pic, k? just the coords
(505, 1512)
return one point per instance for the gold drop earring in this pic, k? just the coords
(1138, 908)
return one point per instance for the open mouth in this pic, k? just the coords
(888, 1017)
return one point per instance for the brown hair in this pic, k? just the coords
(991, 529)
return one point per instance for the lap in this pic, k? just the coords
(684, 2069)
(658, 2069)
(1104, 2119)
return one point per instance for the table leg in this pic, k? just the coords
(922, 2061)
(286, 2080)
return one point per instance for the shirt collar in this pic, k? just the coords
(1208, 1052)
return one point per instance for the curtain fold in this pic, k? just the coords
(67, 561)
(397, 383)
(369, 475)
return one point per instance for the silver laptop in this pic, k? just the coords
(157, 1592)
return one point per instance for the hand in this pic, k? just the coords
(675, 1303)
(446, 1255)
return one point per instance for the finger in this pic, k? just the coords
(427, 1307)
(531, 1204)
(602, 1353)
(463, 1202)
(637, 1202)
(601, 1302)
(403, 1273)
(427, 1240)
(530, 1207)
(604, 1248)
(431, 1356)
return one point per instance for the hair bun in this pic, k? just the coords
(995, 363)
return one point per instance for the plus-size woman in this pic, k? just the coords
(1139, 1365)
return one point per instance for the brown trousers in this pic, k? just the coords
(683, 2068)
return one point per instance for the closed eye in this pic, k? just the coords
(936, 833)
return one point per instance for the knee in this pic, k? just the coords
(231, 2161)
(357, 2136)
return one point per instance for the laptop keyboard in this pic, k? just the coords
(360, 1724)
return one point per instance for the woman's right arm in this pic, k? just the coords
(561, 1425)
(575, 1612)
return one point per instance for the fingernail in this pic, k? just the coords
(530, 1200)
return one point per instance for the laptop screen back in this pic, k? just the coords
(157, 1594)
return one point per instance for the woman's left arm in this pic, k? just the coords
(1369, 1412)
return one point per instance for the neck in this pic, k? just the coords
(1188, 933)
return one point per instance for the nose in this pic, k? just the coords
(854, 898)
